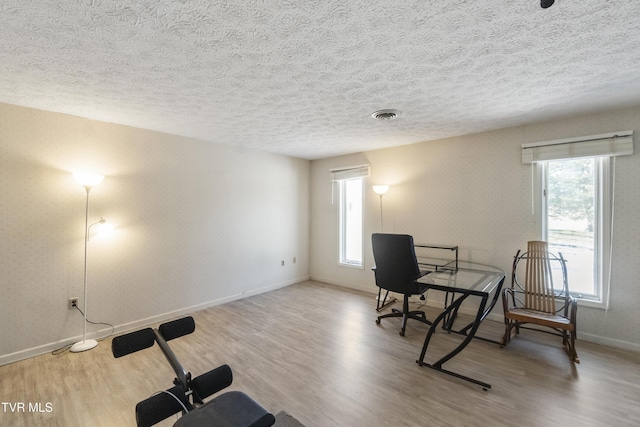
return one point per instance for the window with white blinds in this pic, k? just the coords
(609, 144)
(573, 183)
(350, 183)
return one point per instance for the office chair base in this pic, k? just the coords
(415, 314)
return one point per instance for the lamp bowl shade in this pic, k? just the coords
(88, 179)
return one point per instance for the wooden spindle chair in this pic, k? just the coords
(537, 301)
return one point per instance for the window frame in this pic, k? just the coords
(602, 232)
(342, 231)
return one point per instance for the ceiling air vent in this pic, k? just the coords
(385, 114)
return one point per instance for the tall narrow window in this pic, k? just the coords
(350, 193)
(349, 182)
(575, 220)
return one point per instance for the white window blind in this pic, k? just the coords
(352, 172)
(608, 144)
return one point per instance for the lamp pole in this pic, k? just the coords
(381, 190)
(381, 220)
(88, 181)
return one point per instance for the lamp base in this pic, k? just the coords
(83, 346)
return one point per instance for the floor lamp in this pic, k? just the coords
(88, 181)
(381, 190)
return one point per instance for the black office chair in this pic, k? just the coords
(397, 270)
(233, 408)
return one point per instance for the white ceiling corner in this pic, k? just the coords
(301, 78)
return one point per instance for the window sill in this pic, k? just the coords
(583, 302)
(355, 266)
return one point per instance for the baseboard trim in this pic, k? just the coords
(496, 317)
(126, 327)
(367, 289)
(608, 342)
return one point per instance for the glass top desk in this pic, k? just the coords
(470, 281)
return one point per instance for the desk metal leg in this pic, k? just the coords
(455, 305)
(448, 325)
(384, 304)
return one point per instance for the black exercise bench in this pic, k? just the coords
(232, 409)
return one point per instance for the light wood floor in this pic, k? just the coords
(315, 351)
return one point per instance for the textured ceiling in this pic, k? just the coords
(302, 77)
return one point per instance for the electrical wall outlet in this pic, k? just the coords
(73, 303)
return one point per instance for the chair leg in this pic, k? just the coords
(404, 325)
(509, 326)
(505, 337)
(569, 341)
(405, 314)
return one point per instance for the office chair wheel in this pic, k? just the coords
(401, 333)
(377, 321)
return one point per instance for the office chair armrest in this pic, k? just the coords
(425, 272)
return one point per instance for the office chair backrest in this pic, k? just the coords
(396, 262)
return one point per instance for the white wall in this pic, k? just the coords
(197, 224)
(474, 191)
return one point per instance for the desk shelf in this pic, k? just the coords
(429, 256)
